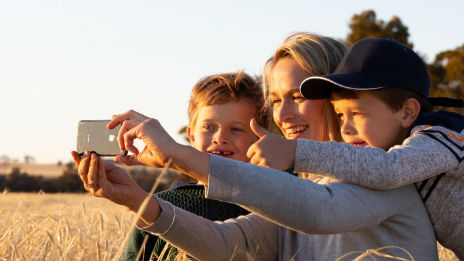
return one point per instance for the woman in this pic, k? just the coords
(331, 219)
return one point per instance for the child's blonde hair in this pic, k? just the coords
(223, 88)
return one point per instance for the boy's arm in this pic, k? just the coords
(421, 156)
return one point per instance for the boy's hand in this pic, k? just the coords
(271, 150)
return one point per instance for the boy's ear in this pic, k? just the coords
(190, 135)
(411, 109)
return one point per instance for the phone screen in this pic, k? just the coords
(94, 136)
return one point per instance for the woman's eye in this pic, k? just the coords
(274, 101)
(339, 115)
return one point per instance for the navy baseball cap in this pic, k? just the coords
(373, 63)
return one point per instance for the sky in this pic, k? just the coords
(66, 61)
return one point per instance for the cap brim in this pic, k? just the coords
(318, 87)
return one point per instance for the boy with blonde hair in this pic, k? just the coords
(219, 111)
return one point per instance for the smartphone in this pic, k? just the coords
(94, 136)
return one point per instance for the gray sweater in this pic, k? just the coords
(296, 219)
(427, 153)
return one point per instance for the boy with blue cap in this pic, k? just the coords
(392, 136)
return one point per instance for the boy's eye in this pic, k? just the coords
(235, 129)
(208, 127)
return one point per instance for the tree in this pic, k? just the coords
(447, 74)
(4, 159)
(366, 25)
(29, 159)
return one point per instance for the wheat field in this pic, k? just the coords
(60, 227)
(39, 226)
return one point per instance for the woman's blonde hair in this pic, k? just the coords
(316, 55)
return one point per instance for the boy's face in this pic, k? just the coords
(367, 121)
(224, 129)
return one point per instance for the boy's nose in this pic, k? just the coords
(220, 137)
(346, 128)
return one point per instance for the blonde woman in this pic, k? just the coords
(292, 218)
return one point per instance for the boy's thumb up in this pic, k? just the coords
(258, 130)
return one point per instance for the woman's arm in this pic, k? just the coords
(306, 206)
(247, 237)
(244, 238)
(277, 196)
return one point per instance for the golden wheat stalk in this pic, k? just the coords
(32, 232)
(142, 247)
(371, 253)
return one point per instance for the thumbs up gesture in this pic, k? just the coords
(271, 150)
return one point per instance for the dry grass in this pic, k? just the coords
(60, 227)
(446, 254)
(69, 227)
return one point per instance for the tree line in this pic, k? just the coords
(69, 181)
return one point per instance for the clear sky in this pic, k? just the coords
(65, 61)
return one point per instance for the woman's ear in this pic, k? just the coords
(411, 109)
(190, 135)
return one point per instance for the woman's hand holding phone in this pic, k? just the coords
(159, 145)
(104, 179)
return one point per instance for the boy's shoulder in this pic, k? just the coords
(444, 127)
(439, 120)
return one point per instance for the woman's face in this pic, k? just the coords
(296, 116)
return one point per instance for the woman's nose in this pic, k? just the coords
(284, 112)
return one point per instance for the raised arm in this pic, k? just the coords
(419, 157)
(332, 208)
(306, 206)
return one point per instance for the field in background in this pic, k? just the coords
(60, 227)
(68, 227)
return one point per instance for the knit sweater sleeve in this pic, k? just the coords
(302, 205)
(426, 153)
(244, 238)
